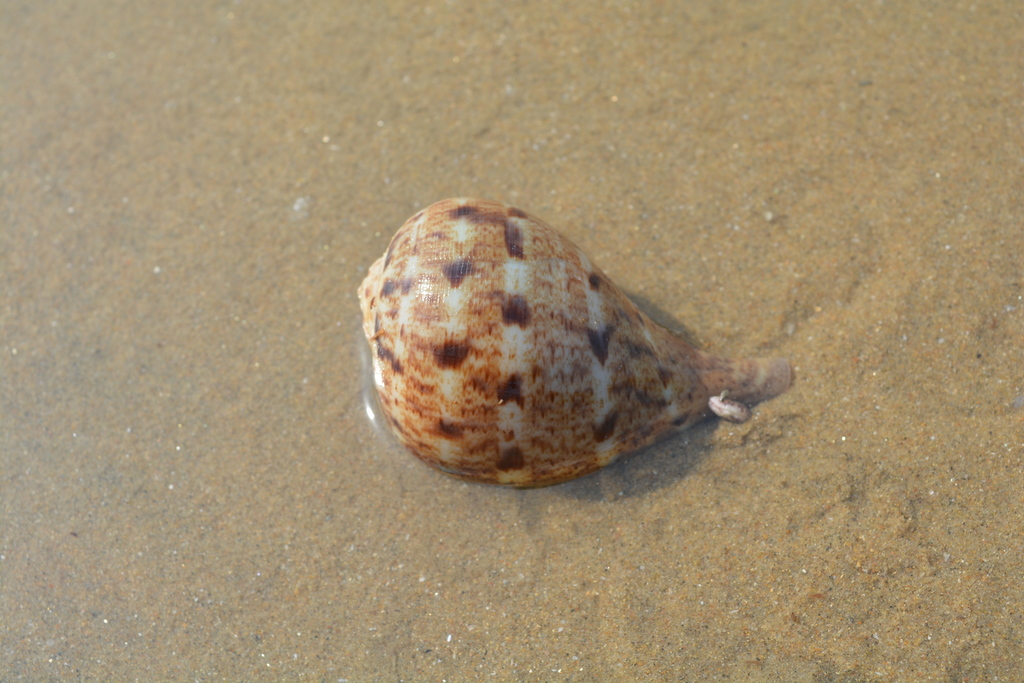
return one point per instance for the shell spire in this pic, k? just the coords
(503, 355)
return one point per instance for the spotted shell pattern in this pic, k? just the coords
(503, 355)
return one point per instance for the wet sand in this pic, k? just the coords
(190, 194)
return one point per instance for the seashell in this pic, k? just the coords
(502, 355)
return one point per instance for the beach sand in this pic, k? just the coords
(190, 193)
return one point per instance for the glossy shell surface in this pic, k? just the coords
(503, 355)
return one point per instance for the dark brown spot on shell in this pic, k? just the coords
(511, 390)
(664, 374)
(595, 281)
(599, 341)
(515, 311)
(479, 384)
(448, 429)
(387, 288)
(516, 213)
(462, 211)
(486, 216)
(513, 240)
(646, 399)
(437, 236)
(421, 387)
(385, 354)
(511, 459)
(606, 428)
(451, 354)
(643, 433)
(636, 350)
(406, 285)
(456, 271)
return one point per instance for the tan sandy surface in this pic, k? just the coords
(191, 191)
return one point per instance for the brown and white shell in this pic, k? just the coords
(503, 355)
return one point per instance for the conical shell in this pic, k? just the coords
(503, 355)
